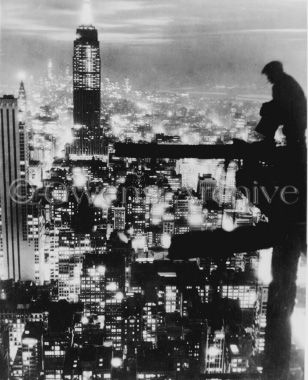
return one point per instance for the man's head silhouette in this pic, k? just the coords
(273, 71)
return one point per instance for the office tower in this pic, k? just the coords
(50, 70)
(114, 297)
(245, 293)
(36, 239)
(16, 256)
(23, 152)
(69, 277)
(168, 226)
(226, 193)
(22, 102)
(88, 362)
(87, 89)
(32, 351)
(188, 168)
(206, 187)
(135, 209)
(156, 364)
(92, 285)
(51, 251)
(261, 311)
(132, 324)
(119, 218)
(152, 319)
(16, 319)
(72, 248)
(215, 351)
(181, 205)
(55, 346)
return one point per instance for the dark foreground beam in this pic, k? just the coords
(221, 244)
(232, 151)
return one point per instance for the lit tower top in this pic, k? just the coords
(87, 72)
(22, 102)
(49, 70)
(86, 16)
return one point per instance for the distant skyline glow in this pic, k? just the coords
(161, 43)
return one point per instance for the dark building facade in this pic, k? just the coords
(16, 255)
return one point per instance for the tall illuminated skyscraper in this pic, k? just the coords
(87, 88)
(16, 256)
(22, 102)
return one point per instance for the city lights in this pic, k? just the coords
(166, 241)
(119, 296)
(21, 75)
(234, 349)
(264, 266)
(116, 362)
(213, 351)
(139, 243)
(298, 324)
(112, 286)
(227, 222)
(79, 178)
(101, 269)
(84, 320)
(115, 265)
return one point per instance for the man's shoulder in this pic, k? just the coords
(287, 84)
(288, 80)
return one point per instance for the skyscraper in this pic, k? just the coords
(87, 88)
(206, 187)
(23, 153)
(22, 102)
(16, 260)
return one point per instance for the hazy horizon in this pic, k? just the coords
(160, 44)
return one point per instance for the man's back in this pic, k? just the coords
(290, 100)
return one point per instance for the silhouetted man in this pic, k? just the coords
(287, 216)
(288, 107)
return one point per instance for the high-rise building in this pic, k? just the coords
(119, 218)
(16, 256)
(215, 351)
(92, 285)
(23, 153)
(114, 298)
(36, 239)
(22, 102)
(206, 187)
(87, 89)
(53, 354)
(50, 70)
(32, 351)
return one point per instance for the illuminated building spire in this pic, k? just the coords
(87, 88)
(22, 102)
(49, 70)
(86, 16)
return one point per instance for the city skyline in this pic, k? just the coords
(152, 207)
(218, 42)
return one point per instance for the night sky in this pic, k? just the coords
(160, 43)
